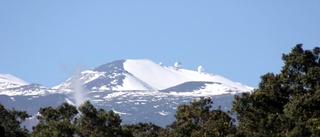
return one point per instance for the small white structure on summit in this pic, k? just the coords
(160, 64)
(177, 65)
(200, 69)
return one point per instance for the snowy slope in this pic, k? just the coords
(85, 77)
(163, 77)
(143, 74)
(9, 81)
(131, 75)
(26, 90)
(109, 76)
(132, 83)
(155, 75)
(139, 90)
(13, 86)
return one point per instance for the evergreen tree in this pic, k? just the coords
(65, 121)
(143, 129)
(10, 121)
(97, 123)
(56, 122)
(197, 119)
(285, 104)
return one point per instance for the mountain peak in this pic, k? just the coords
(144, 74)
(139, 89)
(118, 64)
(10, 81)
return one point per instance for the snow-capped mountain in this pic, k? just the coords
(146, 75)
(9, 81)
(26, 90)
(139, 90)
(110, 76)
(13, 86)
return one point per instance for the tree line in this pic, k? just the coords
(284, 105)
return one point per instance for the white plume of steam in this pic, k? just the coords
(77, 87)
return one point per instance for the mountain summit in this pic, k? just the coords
(143, 74)
(9, 81)
(139, 90)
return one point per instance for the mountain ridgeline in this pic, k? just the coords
(138, 90)
(181, 102)
(145, 75)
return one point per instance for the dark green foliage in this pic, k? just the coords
(285, 104)
(2, 131)
(10, 121)
(143, 129)
(197, 119)
(66, 121)
(97, 123)
(56, 122)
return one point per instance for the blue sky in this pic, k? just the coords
(42, 41)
